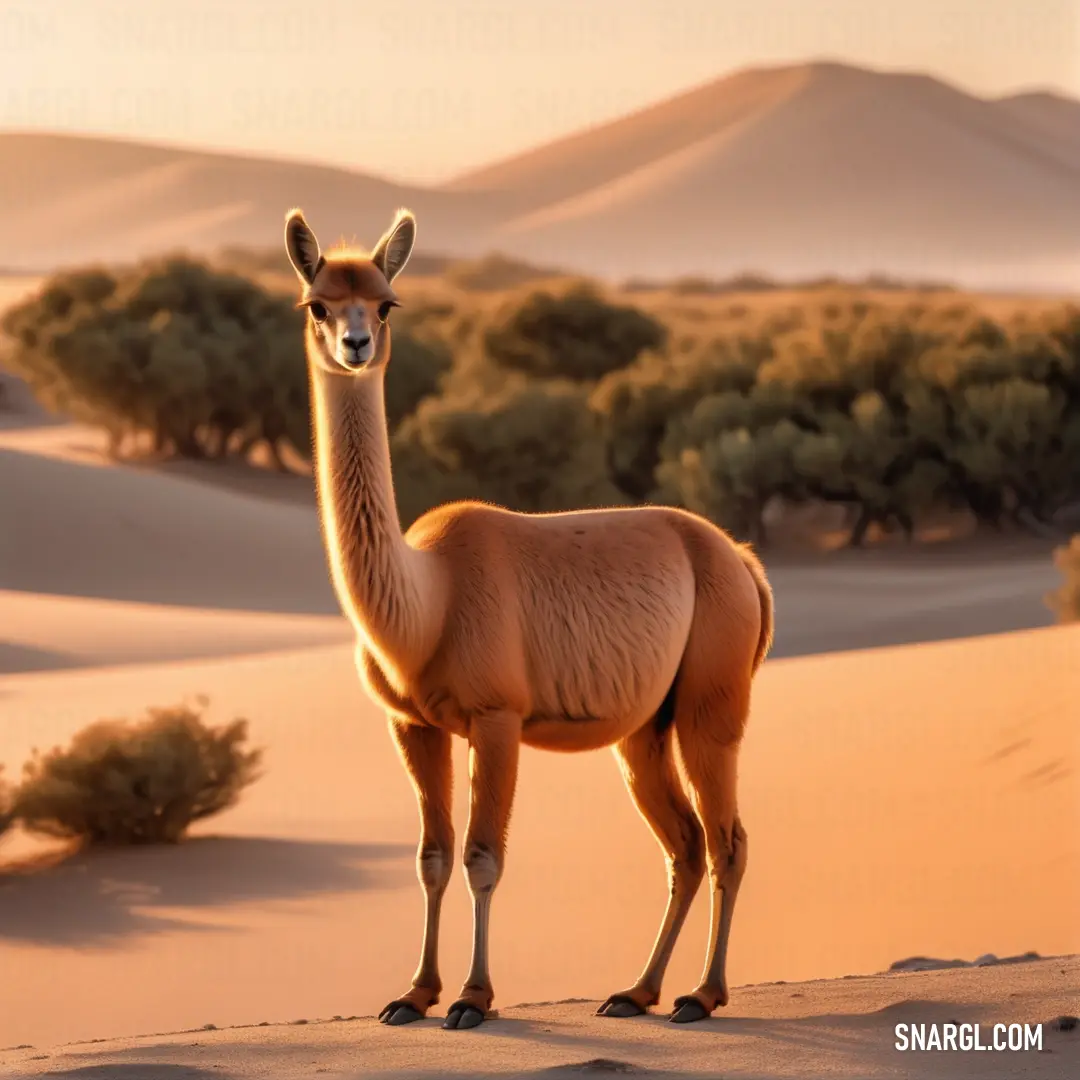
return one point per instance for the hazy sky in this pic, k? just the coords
(421, 89)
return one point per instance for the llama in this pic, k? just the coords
(636, 628)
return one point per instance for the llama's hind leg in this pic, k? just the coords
(710, 759)
(427, 757)
(648, 767)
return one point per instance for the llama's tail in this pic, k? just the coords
(765, 596)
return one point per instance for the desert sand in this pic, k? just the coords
(844, 1028)
(798, 171)
(901, 800)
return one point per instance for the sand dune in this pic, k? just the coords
(1057, 117)
(792, 171)
(79, 529)
(803, 171)
(1039, 123)
(587, 159)
(103, 565)
(70, 199)
(54, 632)
(856, 600)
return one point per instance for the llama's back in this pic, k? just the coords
(599, 604)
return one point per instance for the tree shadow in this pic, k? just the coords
(807, 1031)
(238, 476)
(100, 898)
(848, 605)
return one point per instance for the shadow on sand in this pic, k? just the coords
(151, 537)
(97, 898)
(24, 658)
(139, 1071)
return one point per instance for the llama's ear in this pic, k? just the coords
(302, 247)
(393, 250)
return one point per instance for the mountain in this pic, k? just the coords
(793, 171)
(812, 169)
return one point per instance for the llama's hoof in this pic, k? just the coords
(462, 1015)
(688, 1010)
(400, 1012)
(620, 1005)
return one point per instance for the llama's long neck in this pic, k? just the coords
(377, 576)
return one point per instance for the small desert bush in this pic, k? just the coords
(137, 782)
(1065, 602)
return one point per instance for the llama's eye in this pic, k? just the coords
(384, 310)
(318, 311)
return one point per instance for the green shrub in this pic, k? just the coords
(1065, 602)
(885, 413)
(203, 361)
(574, 334)
(635, 407)
(192, 356)
(416, 371)
(731, 476)
(142, 782)
(638, 404)
(533, 447)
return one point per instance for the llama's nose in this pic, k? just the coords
(356, 343)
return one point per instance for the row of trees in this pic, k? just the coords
(882, 418)
(553, 397)
(891, 411)
(197, 361)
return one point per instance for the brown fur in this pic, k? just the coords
(636, 628)
(344, 276)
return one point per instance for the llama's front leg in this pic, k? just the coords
(426, 754)
(494, 746)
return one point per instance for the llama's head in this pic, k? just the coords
(347, 294)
